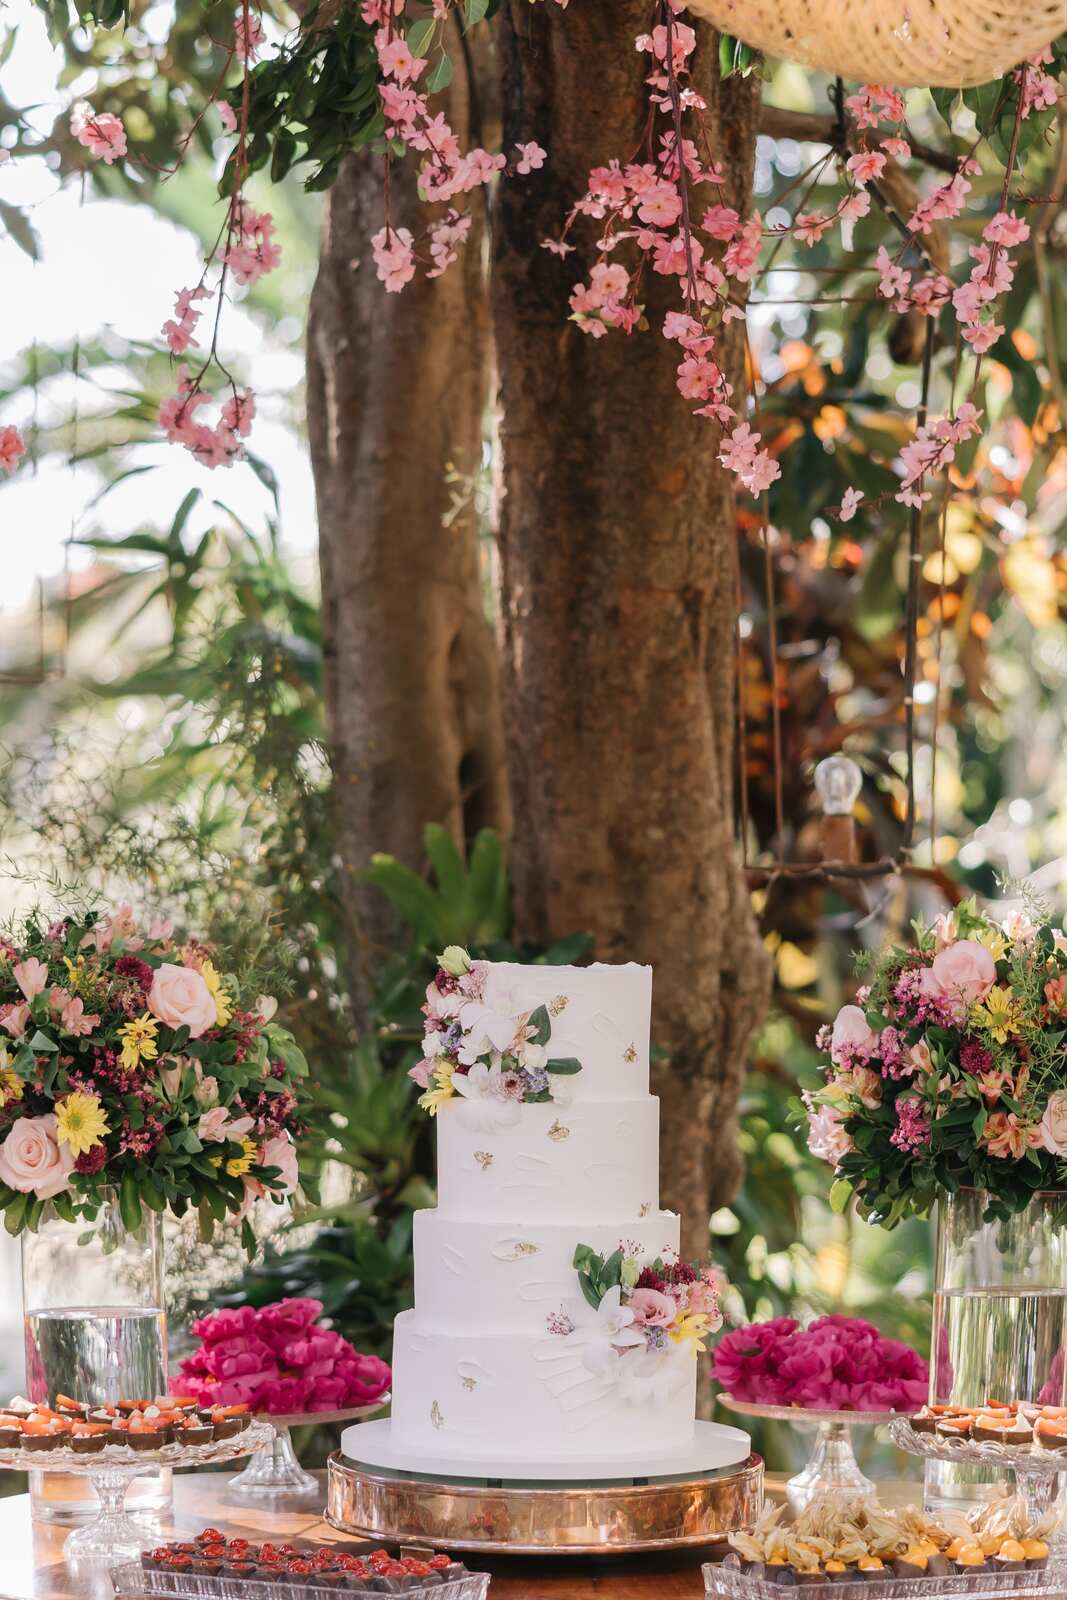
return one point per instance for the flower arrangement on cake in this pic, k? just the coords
(835, 1364)
(489, 1059)
(950, 1071)
(640, 1322)
(276, 1358)
(131, 1065)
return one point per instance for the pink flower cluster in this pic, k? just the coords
(102, 134)
(836, 1364)
(277, 1359)
(932, 449)
(218, 446)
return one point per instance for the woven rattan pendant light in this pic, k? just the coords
(894, 42)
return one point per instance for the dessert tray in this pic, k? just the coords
(113, 1536)
(131, 1579)
(1050, 1580)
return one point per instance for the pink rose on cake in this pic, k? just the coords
(651, 1309)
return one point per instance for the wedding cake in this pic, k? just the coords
(553, 1320)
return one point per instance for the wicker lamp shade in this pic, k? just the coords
(899, 43)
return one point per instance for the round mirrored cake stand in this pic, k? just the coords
(275, 1471)
(831, 1468)
(113, 1536)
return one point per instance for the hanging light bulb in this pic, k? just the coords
(838, 781)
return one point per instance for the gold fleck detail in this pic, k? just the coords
(646, 1207)
(520, 1250)
(435, 1416)
(484, 1159)
(470, 1384)
(629, 1054)
(557, 1132)
(557, 1006)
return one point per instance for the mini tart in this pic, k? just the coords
(225, 1427)
(71, 1408)
(193, 1433)
(926, 1420)
(10, 1435)
(1002, 1428)
(971, 1558)
(90, 1438)
(955, 1427)
(912, 1564)
(1050, 1434)
(1011, 1557)
(1036, 1553)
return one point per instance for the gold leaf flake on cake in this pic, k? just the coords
(557, 1006)
(646, 1207)
(557, 1132)
(436, 1416)
(515, 1250)
(629, 1054)
(470, 1384)
(484, 1159)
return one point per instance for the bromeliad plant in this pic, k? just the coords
(950, 1071)
(131, 1065)
(477, 1047)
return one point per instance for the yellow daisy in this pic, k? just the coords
(994, 942)
(1000, 1014)
(690, 1328)
(139, 1041)
(434, 1099)
(10, 1082)
(223, 1003)
(80, 1123)
(237, 1166)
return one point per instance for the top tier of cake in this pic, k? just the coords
(601, 1016)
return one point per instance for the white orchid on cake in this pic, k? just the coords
(481, 1056)
(640, 1322)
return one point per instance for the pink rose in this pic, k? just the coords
(280, 1152)
(852, 1034)
(180, 998)
(31, 1159)
(31, 976)
(652, 1309)
(965, 971)
(1053, 1125)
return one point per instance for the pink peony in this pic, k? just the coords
(31, 1159)
(966, 971)
(180, 998)
(838, 1363)
(289, 1317)
(226, 1324)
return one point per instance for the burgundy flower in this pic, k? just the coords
(974, 1057)
(139, 972)
(93, 1160)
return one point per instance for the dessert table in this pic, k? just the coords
(32, 1566)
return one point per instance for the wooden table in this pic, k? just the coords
(32, 1566)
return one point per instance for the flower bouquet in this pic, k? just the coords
(277, 1359)
(479, 1054)
(130, 1065)
(950, 1071)
(835, 1364)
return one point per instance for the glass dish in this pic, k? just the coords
(1050, 1580)
(133, 1579)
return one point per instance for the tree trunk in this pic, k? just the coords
(619, 591)
(397, 390)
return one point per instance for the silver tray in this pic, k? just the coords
(1050, 1580)
(132, 1579)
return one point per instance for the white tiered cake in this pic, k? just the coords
(543, 1146)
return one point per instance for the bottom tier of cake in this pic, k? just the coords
(525, 1396)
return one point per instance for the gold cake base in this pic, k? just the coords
(567, 1520)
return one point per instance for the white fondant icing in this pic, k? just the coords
(524, 1392)
(475, 1277)
(600, 1173)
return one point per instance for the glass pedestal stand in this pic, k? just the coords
(1037, 1473)
(112, 1535)
(275, 1469)
(831, 1468)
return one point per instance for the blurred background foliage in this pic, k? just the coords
(162, 707)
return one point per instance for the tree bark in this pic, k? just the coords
(397, 390)
(619, 594)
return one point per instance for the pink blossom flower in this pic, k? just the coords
(531, 158)
(850, 501)
(248, 35)
(865, 165)
(12, 448)
(102, 134)
(912, 1131)
(1007, 229)
(394, 257)
(227, 116)
(872, 104)
(661, 204)
(722, 222)
(396, 59)
(31, 976)
(900, 149)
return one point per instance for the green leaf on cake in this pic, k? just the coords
(565, 1066)
(541, 1023)
(611, 1272)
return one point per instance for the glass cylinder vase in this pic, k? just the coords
(1000, 1320)
(95, 1329)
